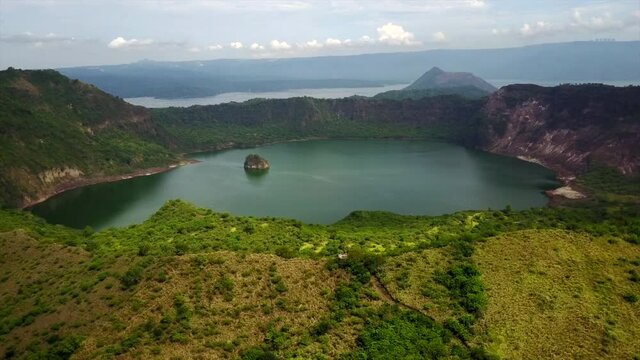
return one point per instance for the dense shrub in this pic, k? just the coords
(464, 284)
(224, 286)
(131, 277)
(257, 353)
(399, 334)
(361, 264)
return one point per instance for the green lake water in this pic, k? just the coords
(317, 182)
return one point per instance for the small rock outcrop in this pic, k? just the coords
(256, 162)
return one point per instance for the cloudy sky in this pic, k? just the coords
(58, 33)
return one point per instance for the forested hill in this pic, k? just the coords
(54, 130)
(261, 121)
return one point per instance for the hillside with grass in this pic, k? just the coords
(55, 131)
(192, 282)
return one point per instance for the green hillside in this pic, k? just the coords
(192, 282)
(260, 121)
(53, 128)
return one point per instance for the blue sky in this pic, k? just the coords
(58, 33)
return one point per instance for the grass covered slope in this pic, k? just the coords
(191, 282)
(558, 294)
(54, 130)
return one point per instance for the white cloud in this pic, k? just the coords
(313, 44)
(236, 45)
(439, 36)
(122, 43)
(333, 42)
(366, 39)
(406, 6)
(256, 47)
(194, 49)
(392, 34)
(214, 47)
(279, 45)
(500, 31)
(537, 28)
(600, 22)
(476, 3)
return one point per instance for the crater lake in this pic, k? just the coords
(318, 181)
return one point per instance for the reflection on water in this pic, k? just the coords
(256, 176)
(99, 205)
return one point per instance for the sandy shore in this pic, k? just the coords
(566, 192)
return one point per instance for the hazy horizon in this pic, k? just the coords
(66, 33)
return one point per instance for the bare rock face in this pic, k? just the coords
(567, 128)
(255, 162)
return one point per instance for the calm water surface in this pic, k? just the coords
(317, 182)
(328, 93)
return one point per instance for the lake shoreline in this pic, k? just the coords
(79, 183)
(552, 197)
(82, 182)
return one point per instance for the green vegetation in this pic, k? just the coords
(55, 128)
(570, 288)
(262, 121)
(190, 280)
(609, 181)
(469, 92)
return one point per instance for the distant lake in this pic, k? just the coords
(329, 93)
(317, 182)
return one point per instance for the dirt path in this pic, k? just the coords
(386, 295)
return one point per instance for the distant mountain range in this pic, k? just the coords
(574, 62)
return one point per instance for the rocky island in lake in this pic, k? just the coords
(255, 162)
